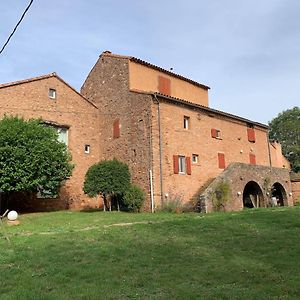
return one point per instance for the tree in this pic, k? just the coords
(286, 129)
(134, 198)
(31, 157)
(107, 178)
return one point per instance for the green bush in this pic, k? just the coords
(107, 178)
(220, 196)
(133, 198)
(31, 157)
(172, 204)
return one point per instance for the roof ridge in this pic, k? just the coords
(143, 62)
(2, 85)
(53, 74)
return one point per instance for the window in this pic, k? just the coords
(251, 133)
(116, 129)
(87, 149)
(182, 164)
(216, 133)
(186, 122)
(62, 135)
(52, 93)
(164, 85)
(252, 159)
(195, 158)
(221, 160)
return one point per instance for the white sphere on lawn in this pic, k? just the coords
(12, 215)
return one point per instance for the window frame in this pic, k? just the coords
(87, 148)
(52, 93)
(194, 155)
(181, 164)
(186, 122)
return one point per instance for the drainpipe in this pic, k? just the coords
(160, 149)
(151, 161)
(270, 158)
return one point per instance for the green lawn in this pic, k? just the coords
(253, 254)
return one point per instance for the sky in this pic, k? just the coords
(247, 52)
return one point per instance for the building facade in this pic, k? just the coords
(52, 100)
(161, 125)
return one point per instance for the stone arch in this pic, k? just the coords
(253, 195)
(279, 196)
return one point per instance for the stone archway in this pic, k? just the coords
(253, 195)
(279, 196)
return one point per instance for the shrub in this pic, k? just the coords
(31, 157)
(221, 195)
(172, 204)
(107, 178)
(133, 198)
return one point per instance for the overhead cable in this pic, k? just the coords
(19, 22)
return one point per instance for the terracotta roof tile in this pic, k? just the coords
(142, 62)
(24, 81)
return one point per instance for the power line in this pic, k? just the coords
(13, 32)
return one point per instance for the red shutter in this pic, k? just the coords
(251, 135)
(252, 158)
(221, 158)
(116, 129)
(188, 165)
(176, 164)
(213, 133)
(164, 85)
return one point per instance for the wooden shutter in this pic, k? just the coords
(116, 129)
(176, 164)
(252, 158)
(251, 135)
(221, 159)
(213, 133)
(188, 165)
(164, 85)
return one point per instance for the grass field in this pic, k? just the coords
(253, 254)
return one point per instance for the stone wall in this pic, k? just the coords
(30, 99)
(108, 87)
(237, 175)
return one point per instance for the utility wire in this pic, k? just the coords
(13, 32)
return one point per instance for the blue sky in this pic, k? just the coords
(248, 52)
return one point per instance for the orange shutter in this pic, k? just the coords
(116, 129)
(251, 135)
(252, 158)
(188, 165)
(213, 133)
(221, 158)
(164, 85)
(176, 164)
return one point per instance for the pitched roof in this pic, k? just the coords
(202, 107)
(210, 110)
(147, 64)
(24, 81)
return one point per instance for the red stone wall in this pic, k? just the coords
(31, 100)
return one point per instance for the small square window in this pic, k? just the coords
(195, 158)
(87, 148)
(52, 93)
(181, 164)
(218, 134)
(186, 122)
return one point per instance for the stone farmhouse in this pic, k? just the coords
(161, 125)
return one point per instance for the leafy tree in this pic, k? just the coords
(134, 198)
(107, 178)
(31, 157)
(286, 129)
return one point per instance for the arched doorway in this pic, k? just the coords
(253, 195)
(278, 194)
